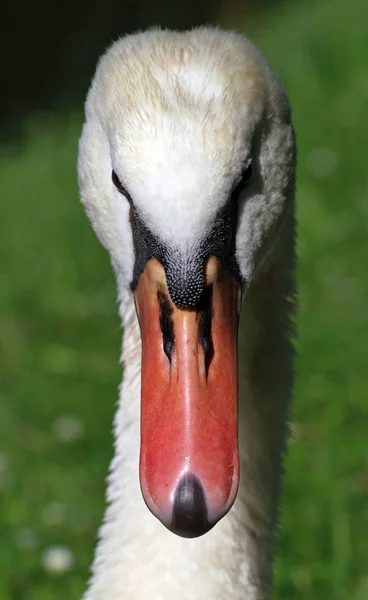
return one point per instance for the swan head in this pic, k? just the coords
(186, 170)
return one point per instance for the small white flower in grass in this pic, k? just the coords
(68, 428)
(57, 559)
(295, 432)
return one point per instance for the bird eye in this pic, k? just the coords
(117, 183)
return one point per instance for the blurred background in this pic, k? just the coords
(59, 331)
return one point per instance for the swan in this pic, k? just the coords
(186, 171)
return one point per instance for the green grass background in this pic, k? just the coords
(60, 337)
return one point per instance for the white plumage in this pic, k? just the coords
(177, 115)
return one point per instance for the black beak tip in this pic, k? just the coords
(189, 518)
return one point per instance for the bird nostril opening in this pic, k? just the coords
(204, 308)
(166, 324)
(168, 346)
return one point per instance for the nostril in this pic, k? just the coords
(205, 339)
(205, 324)
(168, 345)
(190, 509)
(166, 324)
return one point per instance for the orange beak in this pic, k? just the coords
(189, 463)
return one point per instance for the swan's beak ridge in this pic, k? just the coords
(189, 464)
